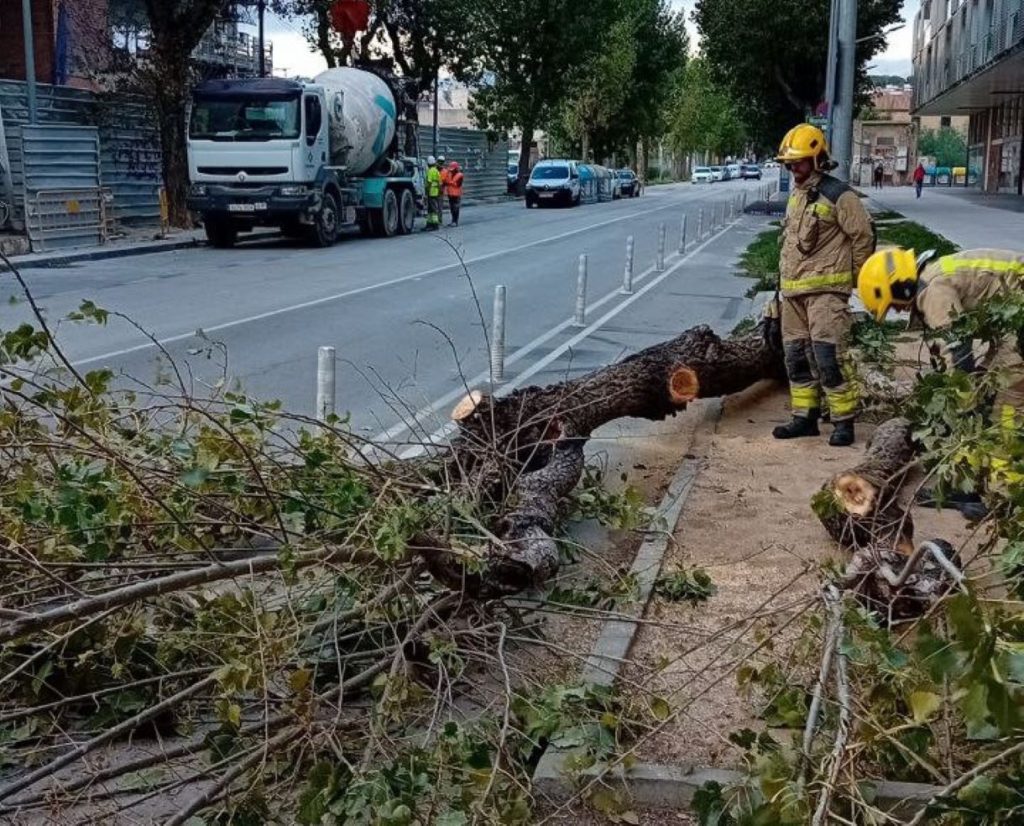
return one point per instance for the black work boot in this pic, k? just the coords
(842, 435)
(970, 505)
(798, 426)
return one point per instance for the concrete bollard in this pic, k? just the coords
(325, 383)
(682, 236)
(627, 275)
(659, 263)
(580, 316)
(498, 335)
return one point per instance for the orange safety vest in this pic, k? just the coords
(454, 182)
(444, 180)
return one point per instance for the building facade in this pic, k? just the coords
(969, 60)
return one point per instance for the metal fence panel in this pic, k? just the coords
(60, 176)
(129, 145)
(484, 162)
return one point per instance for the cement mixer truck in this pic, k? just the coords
(309, 158)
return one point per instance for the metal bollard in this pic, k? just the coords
(682, 236)
(700, 225)
(743, 201)
(580, 316)
(498, 335)
(325, 386)
(627, 275)
(659, 263)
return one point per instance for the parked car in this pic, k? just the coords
(614, 184)
(629, 183)
(770, 165)
(734, 172)
(553, 182)
(750, 170)
(512, 175)
(718, 172)
(702, 175)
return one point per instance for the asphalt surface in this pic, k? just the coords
(407, 317)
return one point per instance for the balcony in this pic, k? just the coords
(973, 74)
(235, 51)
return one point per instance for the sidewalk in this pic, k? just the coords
(965, 218)
(138, 243)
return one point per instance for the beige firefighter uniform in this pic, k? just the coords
(959, 283)
(827, 235)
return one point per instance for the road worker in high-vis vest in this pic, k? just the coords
(827, 236)
(939, 289)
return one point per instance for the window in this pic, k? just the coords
(945, 121)
(883, 140)
(244, 118)
(313, 119)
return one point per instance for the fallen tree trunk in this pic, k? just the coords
(861, 511)
(524, 451)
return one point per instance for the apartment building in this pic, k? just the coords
(968, 59)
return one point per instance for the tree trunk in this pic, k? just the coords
(524, 158)
(523, 452)
(585, 150)
(170, 99)
(860, 510)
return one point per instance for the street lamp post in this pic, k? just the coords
(30, 60)
(261, 7)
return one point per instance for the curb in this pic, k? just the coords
(62, 260)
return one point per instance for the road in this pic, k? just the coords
(405, 315)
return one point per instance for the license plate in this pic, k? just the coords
(254, 207)
(547, 195)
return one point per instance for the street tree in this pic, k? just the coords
(527, 50)
(600, 86)
(947, 145)
(774, 54)
(416, 39)
(704, 116)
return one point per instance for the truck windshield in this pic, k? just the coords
(244, 119)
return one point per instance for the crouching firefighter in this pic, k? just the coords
(827, 235)
(937, 291)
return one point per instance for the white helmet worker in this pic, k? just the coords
(431, 160)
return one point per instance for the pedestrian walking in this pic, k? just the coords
(455, 180)
(826, 237)
(919, 178)
(879, 172)
(433, 195)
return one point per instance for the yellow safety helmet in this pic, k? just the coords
(888, 277)
(803, 141)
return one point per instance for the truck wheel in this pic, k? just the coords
(325, 226)
(406, 212)
(220, 233)
(390, 219)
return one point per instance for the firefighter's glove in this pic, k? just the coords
(771, 325)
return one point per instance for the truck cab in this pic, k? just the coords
(259, 154)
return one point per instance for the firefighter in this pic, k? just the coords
(455, 180)
(433, 195)
(827, 235)
(936, 291)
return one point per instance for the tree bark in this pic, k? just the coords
(860, 510)
(524, 158)
(524, 452)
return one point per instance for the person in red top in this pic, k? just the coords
(454, 180)
(919, 178)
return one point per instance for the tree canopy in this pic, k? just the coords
(704, 116)
(947, 145)
(774, 54)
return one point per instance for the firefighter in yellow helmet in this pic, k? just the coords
(936, 291)
(827, 236)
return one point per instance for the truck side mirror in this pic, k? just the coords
(314, 119)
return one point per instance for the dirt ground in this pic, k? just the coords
(748, 523)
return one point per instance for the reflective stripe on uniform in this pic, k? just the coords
(824, 210)
(803, 398)
(951, 265)
(1007, 418)
(818, 282)
(842, 402)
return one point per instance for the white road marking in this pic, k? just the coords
(146, 345)
(448, 428)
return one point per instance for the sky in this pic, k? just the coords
(292, 54)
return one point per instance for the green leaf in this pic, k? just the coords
(924, 704)
(660, 708)
(451, 818)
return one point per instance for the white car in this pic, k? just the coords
(770, 165)
(734, 171)
(702, 175)
(718, 172)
